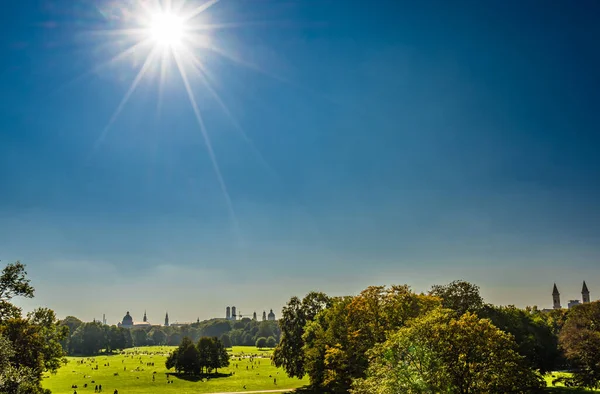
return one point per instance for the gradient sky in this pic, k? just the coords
(391, 142)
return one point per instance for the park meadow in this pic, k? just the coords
(142, 370)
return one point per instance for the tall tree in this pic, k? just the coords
(442, 353)
(13, 283)
(337, 341)
(459, 295)
(219, 358)
(580, 339)
(205, 346)
(296, 314)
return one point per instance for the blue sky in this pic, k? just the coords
(392, 142)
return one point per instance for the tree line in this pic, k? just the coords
(201, 358)
(91, 338)
(390, 339)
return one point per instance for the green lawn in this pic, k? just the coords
(560, 388)
(129, 373)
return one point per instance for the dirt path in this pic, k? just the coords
(257, 392)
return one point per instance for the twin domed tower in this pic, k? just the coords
(585, 297)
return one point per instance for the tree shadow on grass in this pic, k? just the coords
(568, 390)
(307, 390)
(197, 378)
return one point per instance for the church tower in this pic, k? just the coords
(556, 298)
(585, 293)
(228, 313)
(264, 316)
(233, 314)
(145, 318)
(254, 316)
(167, 319)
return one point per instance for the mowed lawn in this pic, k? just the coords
(560, 388)
(129, 372)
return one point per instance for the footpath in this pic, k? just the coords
(257, 392)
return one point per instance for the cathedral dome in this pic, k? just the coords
(127, 320)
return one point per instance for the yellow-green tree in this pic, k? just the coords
(337, 341)
(442, 353)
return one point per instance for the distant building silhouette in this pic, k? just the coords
(585, 298)
(585, 293)
(573, 303)
(228, 313)
(264, 316)
(128, 322)
(233, 314)
(556, 298)
(167, 319)
(254, 316)
(271, 316)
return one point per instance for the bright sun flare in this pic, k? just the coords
(167, 29)
(177, 37)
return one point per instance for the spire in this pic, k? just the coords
(167, 319)
(585, 293)
(555, 290)
(145, 318)
(584, 290)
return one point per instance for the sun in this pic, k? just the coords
(167, 29)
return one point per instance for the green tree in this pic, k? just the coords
(226, 341)
(28, 346)
(185, 358)
(289, 354)
(219, 358)
(261, 342)
(158, 336)
(442, 353)
(13, 283)
(535, 338)
(336, 342)
(139, 337)
(15, 379)
(459, 295)
(329, 330)
(580, 339)
(271, 342)
(205, 347)
(72, 323)
(89, 339)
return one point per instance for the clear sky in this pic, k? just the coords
(362, 143)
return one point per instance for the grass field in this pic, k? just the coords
(129, 372)
(561, 389)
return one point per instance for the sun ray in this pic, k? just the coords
(201, 42)
(130, 91)
(206, 137)
(197, 11)
(204, 44)
(202, 72)
(162, 77)
(232, 25)
(118, 32)
(101, 66)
